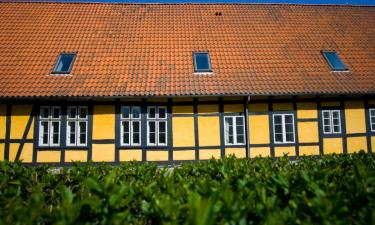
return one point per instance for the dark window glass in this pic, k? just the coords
(125, 112)
(72, 112)
(64, 63)
(279, 138)
(162, 113)
(334, 61)
(136, 112)
(44, 113)
(83, 113)
(202, 62)
(152, 112)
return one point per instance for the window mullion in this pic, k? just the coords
(283, 127)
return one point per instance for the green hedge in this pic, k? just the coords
(332, 190)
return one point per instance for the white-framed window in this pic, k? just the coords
(49, 126)
(372, 119)
(76, 126)
(157, 125)
(331, 121)
(234, 127)
(130, 126)
(283, 128)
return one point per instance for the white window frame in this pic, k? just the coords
(131, 119)
(49, 121)
(331, 125)
(157, 121)
(76, 121)
(234, 127)
(372, 119)
(283, 131)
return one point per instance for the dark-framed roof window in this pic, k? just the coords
(64, 63)
(334, 61)
(202, 62)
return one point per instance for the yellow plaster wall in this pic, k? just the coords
(130, 155)
(308, 132)
(373, 143)
(185, 109)
(355, 117)
(103, 122)
(3, 116)
(280, 151)
(260, 151)
(27, 153)
(13, 148)
(332, 145)
(259, 129)
(157, 155)
(308, 150)
(183, 131)
(208, 109)
(209, 153)
(355, 144)
(103, 152)
(20, 117)
(282, 106)
(258, 107)
(307, 110)
(238, 152)
(372, 102)
(184, 155)
(209, 131)
(48, 156)
(1, 151)
(233, 108)
(72, 155)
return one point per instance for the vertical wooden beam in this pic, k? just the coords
(221, 118)
(343, 126)
(296, 124)
(170, 130)
(117, 130)
(368, 126)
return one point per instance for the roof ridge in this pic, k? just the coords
(181, 3)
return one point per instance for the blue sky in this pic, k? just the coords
(352, 2)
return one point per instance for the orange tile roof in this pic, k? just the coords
(146, 49)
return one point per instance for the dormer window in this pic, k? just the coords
(202, 62)
(334, 61)
(64, 63)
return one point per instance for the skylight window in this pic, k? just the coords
(334, 61)
(202, 62)
(64, 63)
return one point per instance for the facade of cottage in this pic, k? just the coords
(172, 83)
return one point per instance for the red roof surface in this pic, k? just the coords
(146, 49)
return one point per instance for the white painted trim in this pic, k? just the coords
(234, 130)
(283, 131)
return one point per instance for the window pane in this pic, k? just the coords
(327, 122)
(326, 115)
(373, 127)
(336, 129)
(55, 113)
(372, 112)
(336, 122)
(239, 121)
(72, 132)
(136, 138)
(327, 129)
(278, 129)
(277, 119)
(152, 138)
(202, 62)
(136, 112)
(288, 128)
(64, 62)
(125, 132)
(44, 113)
(136, 126)
(44, 130)
(162, 126)
(334, 61)
(151, 126)
(288, 119)
(82, 139)
(278, 138)
(162, 138)
(289, 137)
(55, 132)
(240, 139)
(230, 139)
(125, 112)
(151, 112)
(162, 113)
(72, 112)
(239, 130)
(83, 112)
(335, 114)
